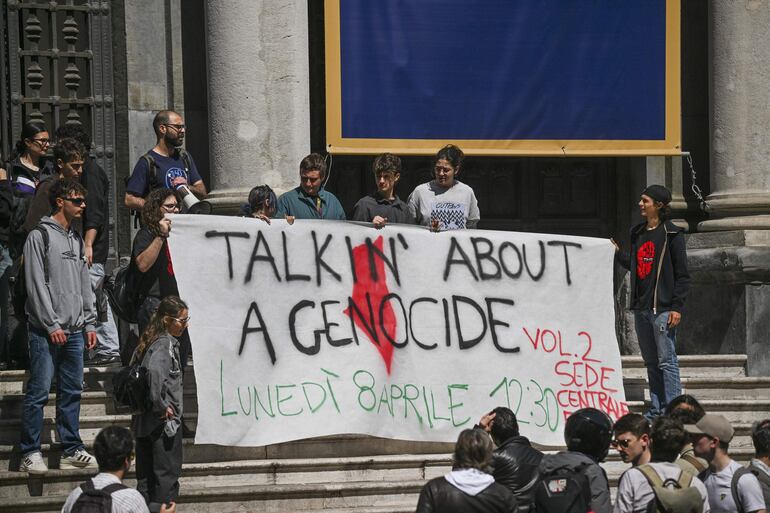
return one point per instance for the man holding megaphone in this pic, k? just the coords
(167, 165)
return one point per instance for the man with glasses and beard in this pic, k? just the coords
(167, 165)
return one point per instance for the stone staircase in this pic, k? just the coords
(347, 473)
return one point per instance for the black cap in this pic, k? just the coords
(658, 193)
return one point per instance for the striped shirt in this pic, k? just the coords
(127, 500)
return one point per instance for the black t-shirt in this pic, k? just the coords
(648, 247)
(97, 212)
(159, 280)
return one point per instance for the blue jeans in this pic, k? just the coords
(6, 262)
(658, 344)
(107, 343)
(66, 362)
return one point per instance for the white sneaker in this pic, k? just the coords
(81, 459)
(33, 463)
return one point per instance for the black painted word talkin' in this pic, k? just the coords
(464, 322)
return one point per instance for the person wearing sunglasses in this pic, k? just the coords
(151, 260)
(68, 157)
(159, 429)
(635, 490)
(61, 321)
(27, 166)
(632, 439)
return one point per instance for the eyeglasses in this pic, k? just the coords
(186, 320)
(41, 142)
(171, 206)
(178, 128)
(621, 443)
(78, 202)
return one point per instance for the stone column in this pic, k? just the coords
(740, 116)
(729, 259)
(258, 83)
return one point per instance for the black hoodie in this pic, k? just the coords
(670, 267)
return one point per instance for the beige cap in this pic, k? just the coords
(715, 426)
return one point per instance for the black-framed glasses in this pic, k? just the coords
(41, 142)
(171, 206)
(621, 443)
(176, 127)
(78, 202)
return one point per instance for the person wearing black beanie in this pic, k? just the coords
(660, 283)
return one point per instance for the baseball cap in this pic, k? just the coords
(715, 426)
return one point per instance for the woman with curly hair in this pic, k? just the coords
(159, 429)
(151, 259)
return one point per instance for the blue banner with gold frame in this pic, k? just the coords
(503, 77)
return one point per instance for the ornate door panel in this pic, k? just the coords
(57, 68)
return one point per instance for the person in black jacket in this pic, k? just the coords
(6, 264)
(514, 460)
(468, 488)
(96, 236)
(659, 286)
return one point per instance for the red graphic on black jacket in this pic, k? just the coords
(644, 258)
(369, 292)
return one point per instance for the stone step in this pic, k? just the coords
(693, 366)
(706, 387)
(353, 496)
(253, 472)
(91, 404)
(279, 483)
(737, 411)
(346, 445)
(94, 379)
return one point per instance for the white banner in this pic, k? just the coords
(325, 327)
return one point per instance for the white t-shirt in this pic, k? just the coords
(455, 207)
(635, 492)
(127, 500)
(721, 496)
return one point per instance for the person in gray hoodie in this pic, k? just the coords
(158, 429)
(61, 320)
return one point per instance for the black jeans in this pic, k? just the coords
(158, 467)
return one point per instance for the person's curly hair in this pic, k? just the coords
(152, 212)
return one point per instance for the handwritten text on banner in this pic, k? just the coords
(323, 328)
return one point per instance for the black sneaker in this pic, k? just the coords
(103, 360)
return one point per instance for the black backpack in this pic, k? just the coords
(121, 289)
(131, 387)
(95, 501)
(152, 169)
(563, 490)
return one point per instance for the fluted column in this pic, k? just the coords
(740, 116)
(258, 84)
